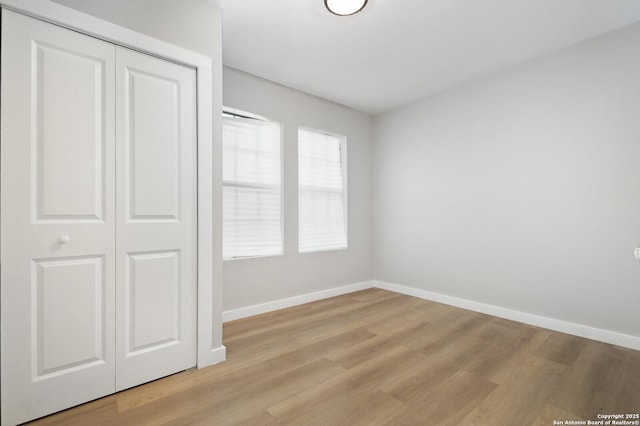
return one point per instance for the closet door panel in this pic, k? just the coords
(156, 227)
(153, 286)
(58, 221)
(154, 147)
(68, 339)
(68, 153)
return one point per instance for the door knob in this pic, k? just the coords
(64, 239)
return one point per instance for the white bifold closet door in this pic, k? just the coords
(156, 218)
(98, 218)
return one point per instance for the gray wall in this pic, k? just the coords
(253, 281)
(521, 190)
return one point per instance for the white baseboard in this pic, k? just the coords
(274, 305)
(218, 354)
(214, 356)
(606, 336)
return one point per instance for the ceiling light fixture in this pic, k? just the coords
(345, 7)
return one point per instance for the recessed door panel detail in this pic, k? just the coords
(68, 302)
(154, 300)
(153, 146)
(67, 152)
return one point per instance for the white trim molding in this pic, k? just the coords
(217, 355)
(275, 305)
(580, 330)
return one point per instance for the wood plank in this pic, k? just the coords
(361, 376)
(375, 357)
(550, 413)
(521, 400)
(362, 406)
(562, 348)
(603, 379)
(447, 403)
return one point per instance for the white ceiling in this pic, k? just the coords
(398, 51)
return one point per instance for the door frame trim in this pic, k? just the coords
(209, 105)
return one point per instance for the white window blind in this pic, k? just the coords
(321, 191)
(252, 180)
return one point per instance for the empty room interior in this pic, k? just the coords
(320, 212)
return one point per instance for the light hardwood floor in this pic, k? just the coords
(379, 358)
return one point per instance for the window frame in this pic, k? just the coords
(342, 139)
(228, 112)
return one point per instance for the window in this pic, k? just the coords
(321, 191)
(252, 181)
